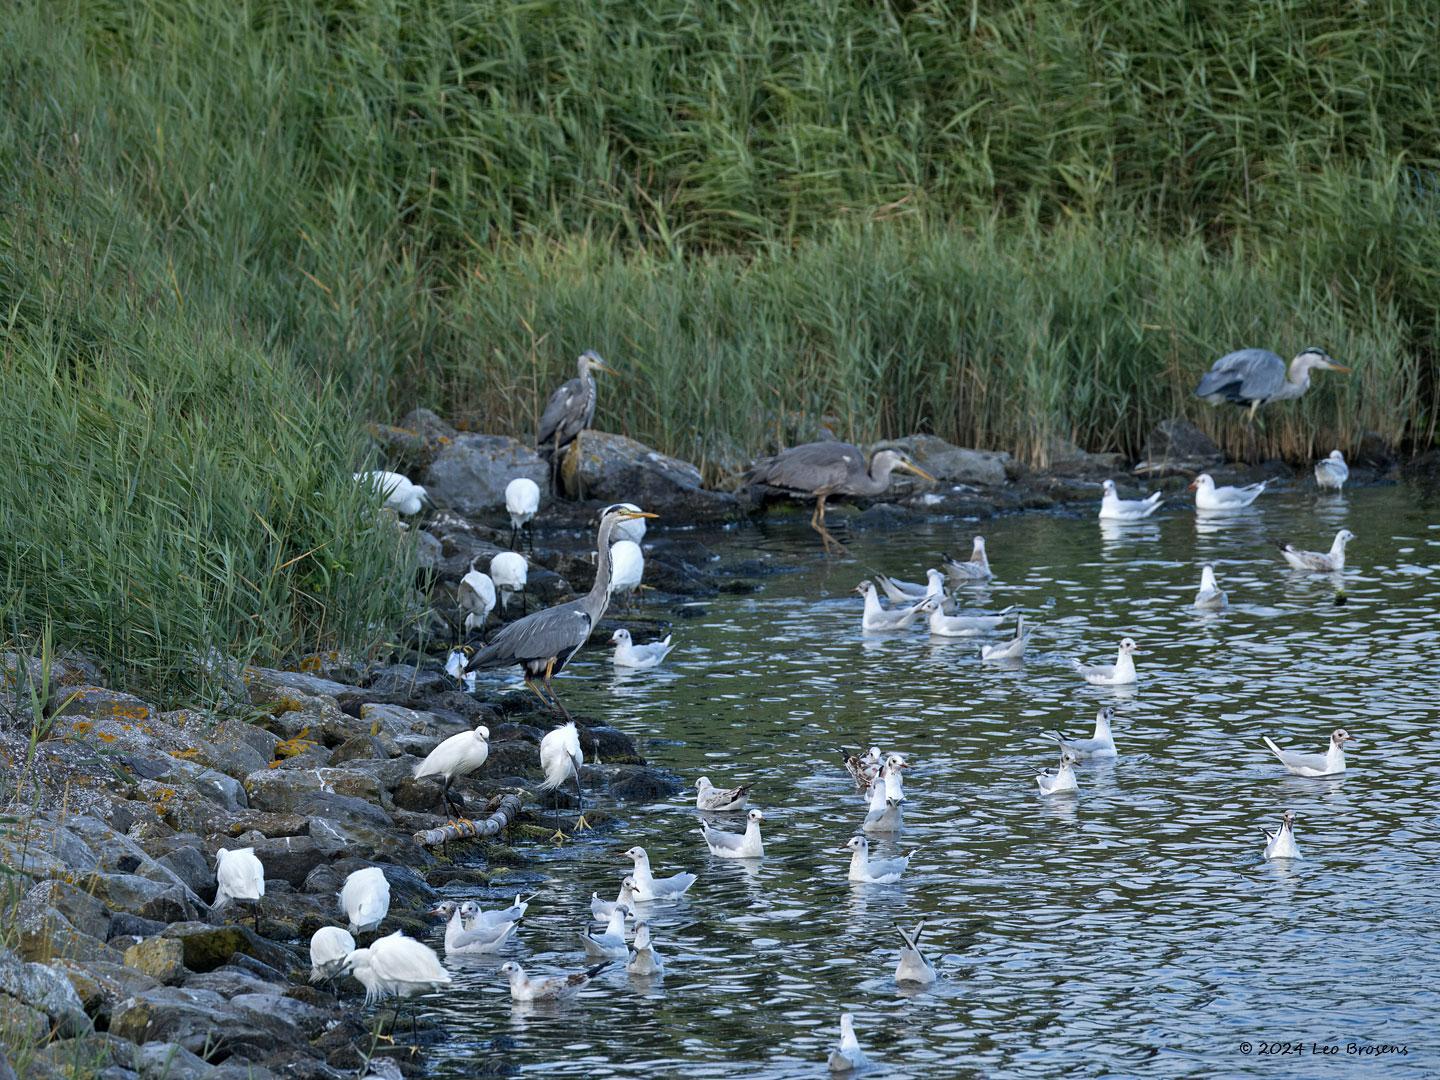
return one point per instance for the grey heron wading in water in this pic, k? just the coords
(1255, 377)
(570, 408)
(544, 642)
(828, 469)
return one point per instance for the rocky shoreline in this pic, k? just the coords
(114, 963)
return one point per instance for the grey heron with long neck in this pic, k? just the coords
(544, 642)
(1255, 377)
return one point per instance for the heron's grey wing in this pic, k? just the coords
(538, 636)
(565, 403)
(1244, 375)
(815, 466)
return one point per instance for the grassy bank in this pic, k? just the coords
(233, 232)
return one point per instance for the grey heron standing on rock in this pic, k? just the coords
(544, 642)
(1255, 377)
(570, 409)
(826, 469)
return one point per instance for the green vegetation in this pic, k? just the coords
(233, 231)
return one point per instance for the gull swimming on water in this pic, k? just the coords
(865, 767)
(639, 657)
(1330, 763)
(644, 960)
(610, 941)
(1120, 673)
(1281, 844)
(1101, 745)
(648, 886)
(731, 845)
(972, 570)
(1209, 497)
(603, 909)
(942, 625)
(1061, 780)
(1332, 472)
(1014, 649)
(885, 813)
(1114, 508)
(709, 797)
(877, 618)
(847, 1057)
(1210, 597)
(466, 938)
(549, 988)
(913, 966)
(1320, 562)
(874, 871)
(907, 592)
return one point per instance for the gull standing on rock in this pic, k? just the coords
(1120, 673)
(847, 1057)
(877, 618)
(522, 502)
(1330, 763)
(1330, 562)
(550, 988)
(717, 800)
(1281, 844)
(1210, 597)
(1217, 500)
(476, 597)
(639, 657)
(329, 946)
(239, 875)
(971, 571)
(644, 960)
(1014, 649)
(1061, 780)
(1332, 472)
(730, 845)
(1101, 745)
(913, 966)
(610, 942)
(510, 573)
(365, 899)
(459, 755)
(1114, 508)
(874, 871)
(648, 886)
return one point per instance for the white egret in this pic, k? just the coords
(459, 755)
(522, 502)
(627, 570)
(401, 495)
(329, 946)
(561, 759)
(365, 899)
(400, 967)
(476, 597)
(510, 573)
(239, 875)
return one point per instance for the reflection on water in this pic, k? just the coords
(1132, 930)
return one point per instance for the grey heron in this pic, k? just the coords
(826, 469)
(1255, 377)
(570, 408)
(543, 643)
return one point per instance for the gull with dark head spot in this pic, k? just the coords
(731, 845)
(644, 960)
(1120, 673)
(1330, 763)
(1059, 781)
(610, 941)
(1114, 508)
(548, 988)
(874, 871)
(648, 886)
(913, 966)
(1332, 472)
(1099, 745)
(1318, 562)
(1281, 843)
(972, 571)
(717, 800)
(1014, 649)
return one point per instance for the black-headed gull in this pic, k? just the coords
(716, 800)
(1281, 844)
(913, 966)
(648, 886)
(1219, 499)
(640, 657)
(972, 570)
(1014, 649)
(610, 941)
(887, 797)
(1100, 745)
(1061, 780)
(644, 960)
(942, 625)
(1330, 763)
(466, 938)
(548, 988)
(1120, 673)
(907, 592)
(475, 915)
(847, 1057)
(1210, 597)
(732, 845)
(874, 871)
(601, 910)
(1320, 562)
(1114, 508)
(1332, 472)
(877, 618)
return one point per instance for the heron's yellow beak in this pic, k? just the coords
(1336, 367)
(628, 515)
(908, 467)
(605, 368)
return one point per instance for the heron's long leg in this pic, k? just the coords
(817, 522)
(549, 670)
(534, 687)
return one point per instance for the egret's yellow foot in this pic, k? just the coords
(581, 824)
(559, 837)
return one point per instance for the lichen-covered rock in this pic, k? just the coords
(165, 901)
(102, 984)
(611, 745)
(100, 703)
(208, 947)
(204, 1023)
(45, 989)
(79, 907)
(171, 1061)
(289, 790)
(163, 959)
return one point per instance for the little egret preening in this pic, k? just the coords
(1330, 763)
(1120, 673)
(644, 960)
(648, 886)
(1281, 843)
(1254, 377)
(1220, 500)
(476, 597)
(1318, 562)
(1114, 508)
(522, 503)
(561, 759)
(549, 988)
(1332, 472)
(400, 494)
(239, 875)
(543, 643)
(400, 967)
(971, 571)
(874, 871)
(639, 657)
(627, 570)
(732, 845)
(365, 899)
(1210, 597)
(847, 1057)
(823, 470)
(913, 966)
(459, 755)
(329, 946)
(510, 573)
(717, 800)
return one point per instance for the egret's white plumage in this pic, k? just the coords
(1281, 843)
(239, 875)
(874, 871)
(1319, 562)
(1214, 499)
(709, 797)
(847, 1057)
(510, 572)
(1120, 673)
(877, 618)
(329, 946)
(640, 657)
(1014, 649)
(459, 755)
(522, 502)
(549, 988)
(1114, 508)
(401, 495)
(1061, 780)
(732, 845)
(942, 625)
(627, 568)
(648, 886)
(1332, 472)
(365, 899)
(476, 597)
(610, 941)
(644, 960)
(972, 570)
(913, 967)
(1099, 745)
(1210, 597)
(560, 756)
(397, 966)
(602, 909)
(1330, 763)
